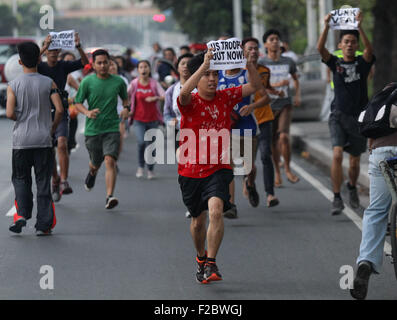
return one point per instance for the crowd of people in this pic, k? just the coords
(182, 92)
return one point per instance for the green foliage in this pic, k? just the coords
(202, 20)
(7, 21)
(28, 17)
(289, 19)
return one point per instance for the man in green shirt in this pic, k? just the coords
(102, 135)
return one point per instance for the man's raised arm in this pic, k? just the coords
(185, 95)
(325, 55)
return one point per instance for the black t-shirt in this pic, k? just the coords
(59, 73)
(350, 80)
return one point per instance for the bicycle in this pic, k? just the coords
(389, 171)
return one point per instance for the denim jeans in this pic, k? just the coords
(265, 148)
(140, 129)
(376, 215)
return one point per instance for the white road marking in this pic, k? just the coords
(329, 195)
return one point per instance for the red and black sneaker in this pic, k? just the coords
(19, 223)
(211, 272)
(200, 268)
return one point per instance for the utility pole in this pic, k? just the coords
(14, 13)
(238, 19)
(325, 7)
(258, 24)
(311, 26)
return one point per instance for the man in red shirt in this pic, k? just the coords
(204, 177)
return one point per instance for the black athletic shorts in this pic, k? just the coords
(197, 191)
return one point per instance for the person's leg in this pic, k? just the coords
(337, 169)
(376, 215)
(22, 162)
(216, 227)
(43, 161)
(198, 231)
(111, 147)
(122, 133)
(354, 169)
(139, 130)
(73, 125)
(374, 224)
(150, 126)
(275, 149)
(284, 141)
(95, 151)
(265, 148)
(63, 158)
(110, 175)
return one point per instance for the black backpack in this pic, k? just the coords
(374, 121)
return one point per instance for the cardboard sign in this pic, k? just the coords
(344, 19)
(62, 40)
(228, 54)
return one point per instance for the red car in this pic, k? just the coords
(8, 47)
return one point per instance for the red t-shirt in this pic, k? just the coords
(145, 111)
(197, 119)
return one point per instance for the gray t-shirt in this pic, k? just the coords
(33, 110)
(280, 70)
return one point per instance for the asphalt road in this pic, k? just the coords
(142, 249)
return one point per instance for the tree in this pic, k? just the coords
(385, 43)
(7, 21)
(204, 19)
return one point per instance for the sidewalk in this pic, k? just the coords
(314, 138)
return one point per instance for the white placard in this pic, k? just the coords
(62, 40)
(344, 19)
(228, 54)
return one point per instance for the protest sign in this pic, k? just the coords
(228, 54)
(344, 19)
(62, 40)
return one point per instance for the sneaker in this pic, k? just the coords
(231, 213)
(337, 206)
(360, 284)
(354, 200)
(150, 175)
(139, 173)
(200, 268)
(64, 188)
(188, 215)
(111, 202)
(56, 194)
(41, 233)
(253, 195)
(89, 181)
(211, 273)
(19, 223)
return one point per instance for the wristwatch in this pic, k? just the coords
(78, 45)
(128, 108)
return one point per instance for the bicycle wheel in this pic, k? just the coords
(393, 237)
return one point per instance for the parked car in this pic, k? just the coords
(8, 47)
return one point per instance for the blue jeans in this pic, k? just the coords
(376, 215)
(140, 129)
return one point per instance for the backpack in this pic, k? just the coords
(374, 122)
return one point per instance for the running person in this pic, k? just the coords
(264, 117)
(245, 121)
(206, 186)
(28, 104)
(281, 68)
(145, 94)
(350, 75)
(102, 133)
(58, 71)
